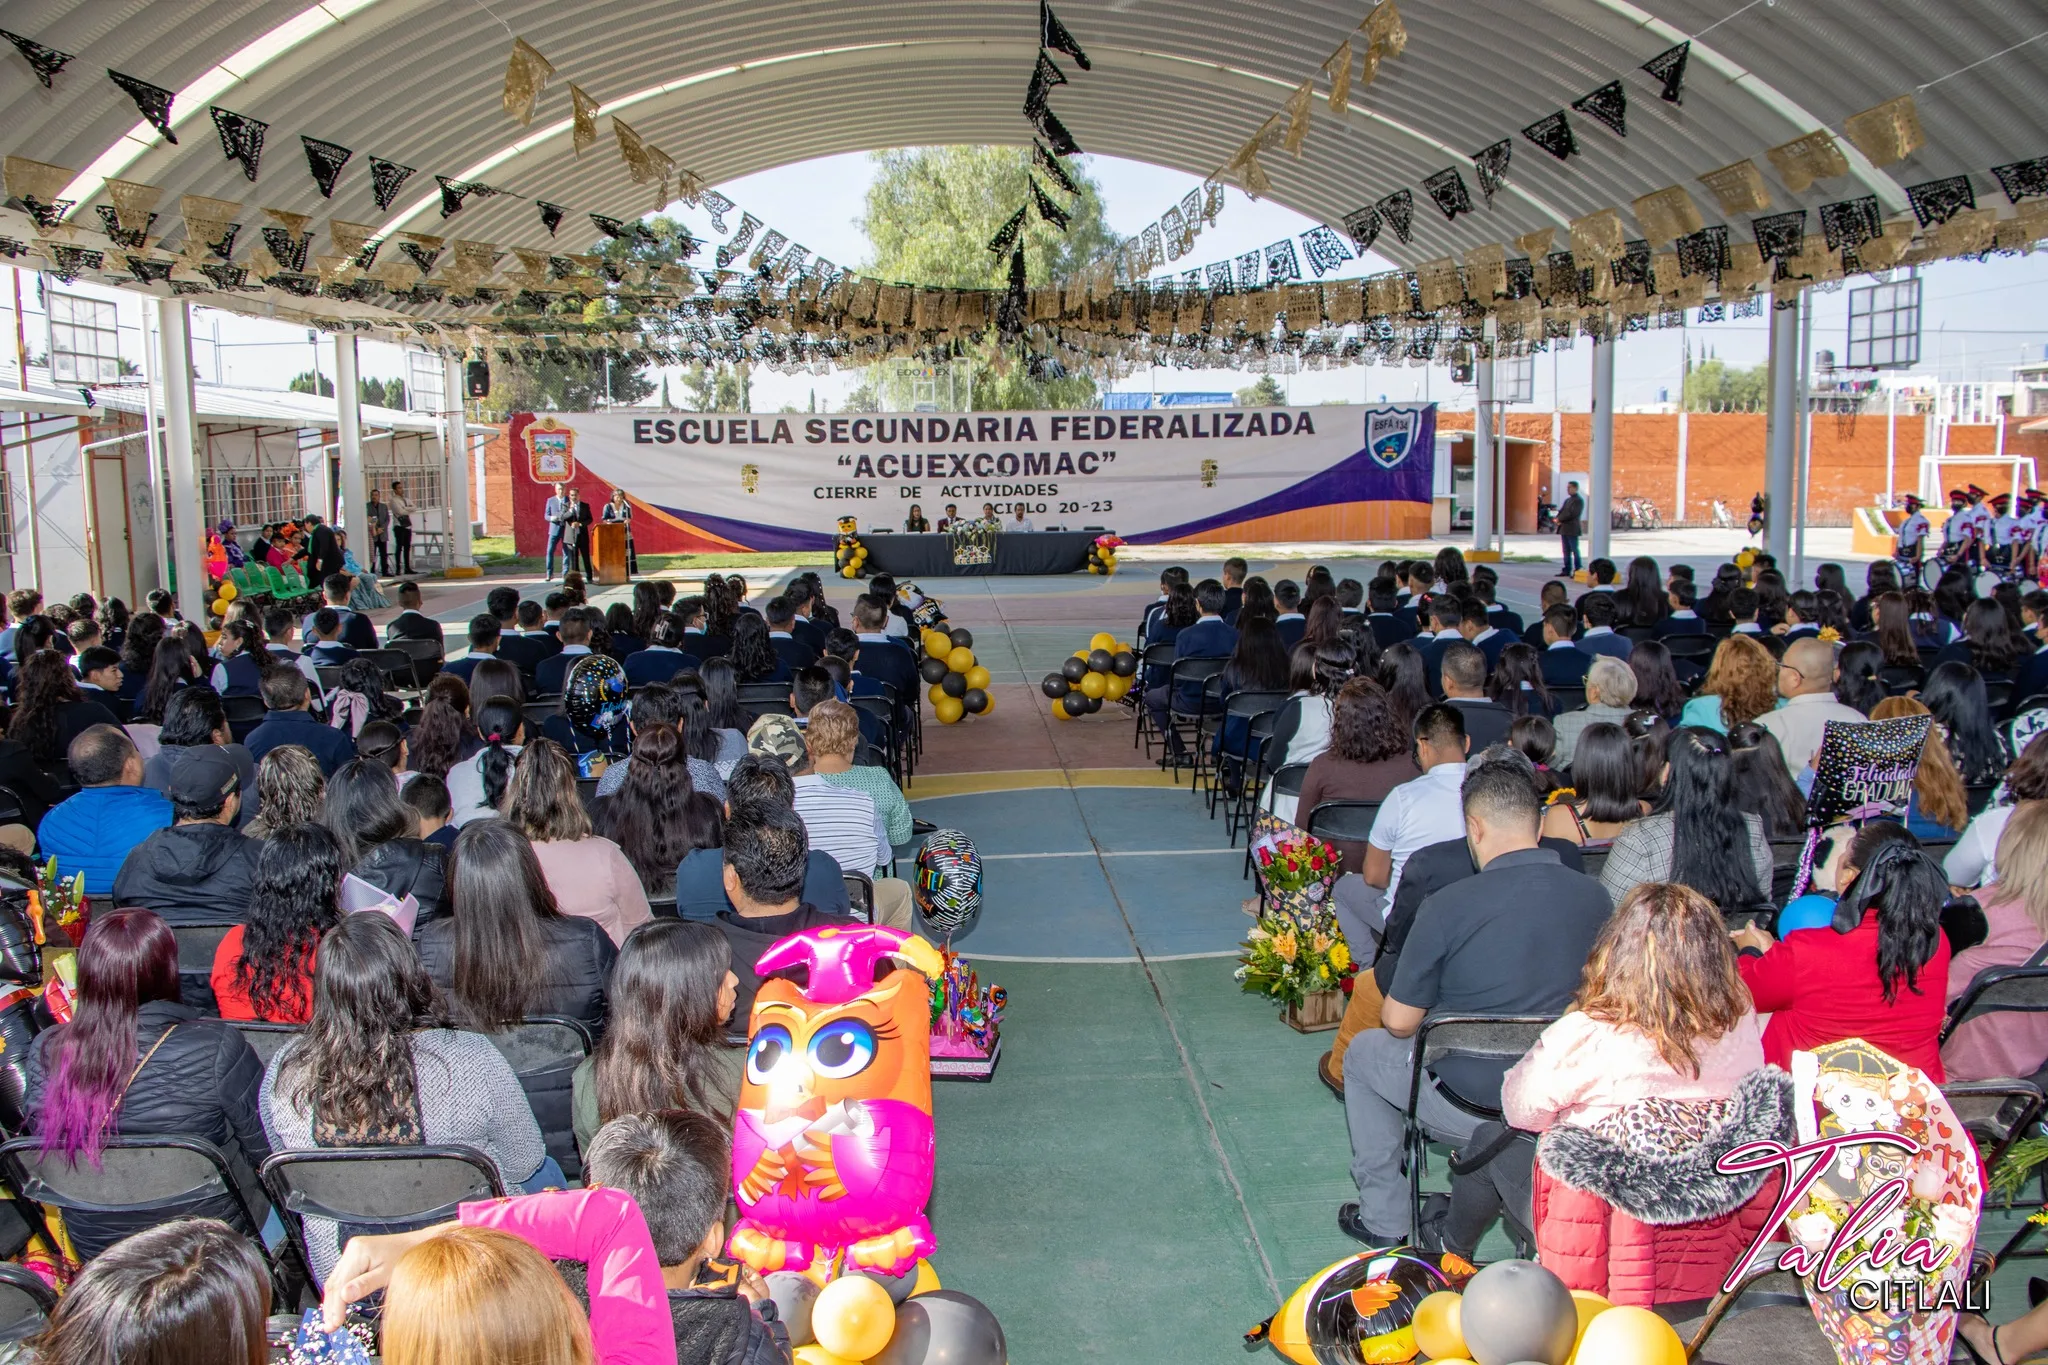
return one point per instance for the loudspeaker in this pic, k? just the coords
(476, 381)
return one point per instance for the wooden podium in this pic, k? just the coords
(608, 551)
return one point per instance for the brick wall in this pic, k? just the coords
(1725, 458)
(497, 489)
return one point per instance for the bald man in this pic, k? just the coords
(1806, 680)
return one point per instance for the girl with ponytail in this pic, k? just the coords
(476, 786)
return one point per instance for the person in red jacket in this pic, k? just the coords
(1879, 973)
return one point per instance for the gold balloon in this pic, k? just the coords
(977, 676)
(853, 1317)
(1590, 1306)
(960, 659)
(948, 710)
(927, 1280)
(228, 591)
(937, 644)
(1629, 1336)
(935, 694)
(1102, 639)
(1059, 712)
(1116, 687)
(220, 606)
(1093, 685)
(818, 1355)
(1436, 1325)
(848, 572)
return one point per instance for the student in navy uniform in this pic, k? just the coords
(411, 623)
(1210, 637)
(1234, 571)
(1446, 615)
(239, 672)
(1482, 634)
(1554, 594)
(782, 638)
(803, 599)
(879, 657)
(1291, 622)
(1681, 619)
(335, 590)
(1596, 609)
(1498, 616)
(291, 721)
(1564, 663)
(327, 650)
(484, 639)
(1802, 612)
(553, 671)
(663, 658)
(1389, 627)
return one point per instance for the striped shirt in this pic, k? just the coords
(888, 798)
(843, 823)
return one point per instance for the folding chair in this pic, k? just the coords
(153, 1179)
(1698, 648)
(586, 792)
(1184, 728)
(1350, 821)
(265, 1040)
(12, 809)
(1997, 1114)
(544, 1051)
(376, 1189)
(1501, 1037)
(1593, 861)
(25, 1302)
(426, 657)
(1155, 656)
(884, 710)
(860, 895)
(753, 694)
(329, 675)
(244, 714)
(1999, 694)
(1237, 813)
(1245, 706)
(197, 945)
(1566, 697)
(536, 712)
(663, 907)
(395, 664)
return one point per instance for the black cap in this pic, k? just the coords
(205, 777)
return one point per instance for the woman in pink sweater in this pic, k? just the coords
(589, 876)
(2009, 1043)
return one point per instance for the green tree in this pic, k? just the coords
(379, 393)
(1264, 394)
(717, 388)
(305, 382)
(930, 214)
(1713, 387)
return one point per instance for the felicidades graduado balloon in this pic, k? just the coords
(832, 1140)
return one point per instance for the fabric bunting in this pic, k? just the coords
(1250, 269)
(1808, 158)
(1491, 165)
(325, 160)
(1397, 211)
(1050, 164)
(1888, 132)
(1338, 69)
(153, 101)
(133, 201)
(1053, 34)
(526, 72)
(1851, 222)
(582, 119)
(1447, 188)
(2023, 179)
(46, 62)
(1739, 189)
(110, 221)
(1324, 249)
(1780, 236)
(241, 138)
(1668, 66)
(1005, 238)
(1937, 201)
(1553, 133)
(551, 215)
(386, 179)
(1281, 263)
(1609, 104)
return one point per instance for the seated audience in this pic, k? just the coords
(1511, 940)
(1604, 789)
(1954, 694)
(193, 721)
(117, 1309)
(586, 874)
(1368, 757)
(289, 719)
(1859, 675)
(379, 839)
(2013, 1043)
(263, 969)
(700, 885)
(290, 790)
(1879, 973)
(764, 874)
(1658, 689)
(112, 813)
(427, 798)
(476, 785)
(1698, 835)
(1973, 861)
(1516, 682)
(505, 950)
(1763, 787)
(1806, 680)
(202, 869)
(1938, 808)
(655, 815)
(830, 739)
(551, 673)
(1646, 1065)
(1564, 663)
(663, 657)
(1404, 674)
(50, 710)
(1414, 815)
(135, 1061)
(1610, 698)
(753, 655)
(379, 1066)
(1741, 684)
(1463, 669)
(667, 1048)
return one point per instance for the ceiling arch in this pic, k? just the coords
(731, 88)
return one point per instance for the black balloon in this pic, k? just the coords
(1076, 704)
(1094, 704)
(1073, 670)
(1055, 686)
(954, 684)
(932, 669)
(962, 638)
(1124, 664)
(1100, 660)
(944, 1327)
(975, 700)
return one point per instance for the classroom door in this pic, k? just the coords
(113, 561)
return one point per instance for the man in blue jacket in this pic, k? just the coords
(93, 831)
(291, 721)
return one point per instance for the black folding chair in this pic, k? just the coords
(376, 1189)
(1237, 812)
(1184, 728)
(1997, 1114)
(1698, 648)
(197, 945)
(1155, 656)
(244, 714)
(1489, 1037)
(265, 1040)
(754, 693)
(1566, 697)
(586, 792)
(536, 713)
(884, 710)
(151, 1178)
(860, 895)
(395, 664)
(425, 656)
(544, 1051)
(1350, 821)
(663, 907)
(1226, 764)
(26, 1302)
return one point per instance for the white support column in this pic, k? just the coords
(348, 400)
(182, 513)
(1483, 479)
(1801, 488)
(1600, 473)
(455, 447)
(1781, 432)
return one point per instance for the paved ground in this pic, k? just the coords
(1155, 1165)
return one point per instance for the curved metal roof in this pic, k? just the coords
(731, 88)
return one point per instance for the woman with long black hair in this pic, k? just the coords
(1405, 676)
(378, 837)
(722, 708)
(1641, 601)
(1857, 682)
(721, 610)
(753, 655)
(1954, 693)
(1658, 690)
(172, 668)
(657, 817)
(1517, 681)
(1606, 782)
(138, 653)
(1891, 614)
(674, 990)
(1699, 834)
(1879, 972)
(1989, 644)
(263, 968)
(50, 710)
(1763, 786)
(476, 785)
(646, 610)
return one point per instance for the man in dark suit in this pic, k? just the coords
(1681, 619)
(1482, 634)
(484, 633)
(1571, 517)
(1389, 627)
(411, 623)
(1596, 609)
(1445, 616)
(782, 639)
(550, 673)
(1564, 663)
(576, 520)
(1234, 571)
(1464, 674)
(323, 552)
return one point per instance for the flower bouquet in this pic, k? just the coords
(1307, 968)
(1297, 871)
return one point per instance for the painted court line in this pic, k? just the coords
(1116, 853)
(1101, 961)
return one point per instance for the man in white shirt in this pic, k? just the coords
(841, 822)
(1806, 679)
(401, 528)
(1422, 811)
(1020, 522)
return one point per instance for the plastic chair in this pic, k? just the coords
(381, 1189)
(1496, 1037)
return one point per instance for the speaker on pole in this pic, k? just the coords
(476, 378)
